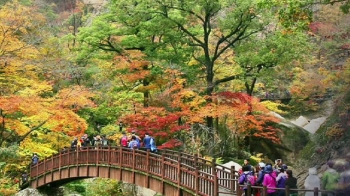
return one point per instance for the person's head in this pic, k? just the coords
(312, 171)
(268, 169)
(246, 161)
(262, 165)
(133, 137)
(284, 167)
(289, 173)
(281, 170)
(330, 164)
(146, 134)
(133, 132)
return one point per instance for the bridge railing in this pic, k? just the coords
(184, 170)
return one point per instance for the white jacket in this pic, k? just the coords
(312, 181)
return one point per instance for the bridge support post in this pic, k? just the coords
(249, 189)
(196, 174)
(316, 191)
(44, 171)
(147, 168)
(121, 163)
(234, 182)
(37, 174)
(287, 190)
(133, 165)
(179, 174)
(163, 173)
(216, 179)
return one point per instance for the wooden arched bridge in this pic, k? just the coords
(169, 172)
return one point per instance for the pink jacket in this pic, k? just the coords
(270, 182)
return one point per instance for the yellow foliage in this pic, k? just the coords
(274, 107)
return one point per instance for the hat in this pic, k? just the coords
(268, 169)
(261, 164)
(284, 166)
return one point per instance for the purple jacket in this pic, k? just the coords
(281, 180)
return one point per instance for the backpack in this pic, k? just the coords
(138, 142)
(134, 144)
(105, 142)
(124, 141)
(249, 179)
(153, 144)
(331, 180)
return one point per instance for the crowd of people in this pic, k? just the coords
(277, 177)
(132, 141)
(269, 175)
(335, 180)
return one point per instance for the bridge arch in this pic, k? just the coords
(169, 173)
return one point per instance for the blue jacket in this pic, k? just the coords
(260, 177)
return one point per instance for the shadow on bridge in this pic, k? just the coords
(169, 172)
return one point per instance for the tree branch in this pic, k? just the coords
(31, 130)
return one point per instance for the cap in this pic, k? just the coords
(261, 164)
(284, 166)
(268, 169)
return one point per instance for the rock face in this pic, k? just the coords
(309, 125)
(29, 192)
(293, 139)
(95, 3)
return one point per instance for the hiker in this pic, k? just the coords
(278, 164)
(281, 180)
(247, 163)
(35, 159)
(329, 180)
(85, 141)
(149, 143)
(24, 178)
(261, 174)
(74, 143)
(344, 180)
(312, 181)
(291, 182)
(124, 140)
(137, 138)
(270, 180)
(133, 143)
(98, 141)
(246, 178)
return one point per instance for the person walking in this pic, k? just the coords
(291, 182)
(247, 163)
(344, 180)
(312, 181)
(281, 180)
(35, 159)
(329, 180)
(270, 181)
(133, 143)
